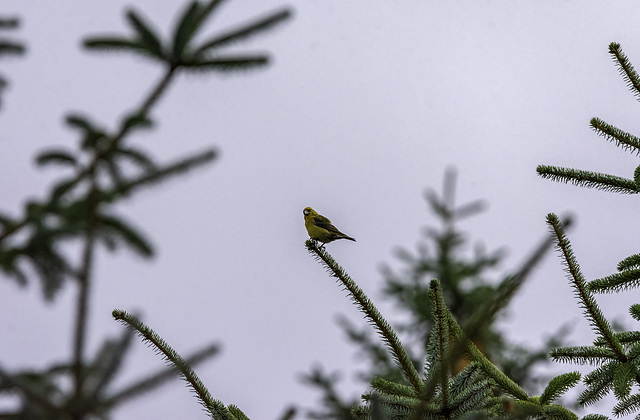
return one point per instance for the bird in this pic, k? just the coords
(320, 228)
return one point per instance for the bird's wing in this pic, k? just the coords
(323, 222)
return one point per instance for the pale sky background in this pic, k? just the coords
(364, 106)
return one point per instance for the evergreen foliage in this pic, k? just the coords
(470, 293)
(479, 390)
(615, 355)
(104, 169)
(459, 380)
(8, 46)
(371, 313)
(622, 139)
(216, 409)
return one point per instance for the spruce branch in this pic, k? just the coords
(146, 35)
(599, 382)
(473, 400)
(604, 182)
(443, 337)
(289, 413)
(56, 156)
(393, 403)
(332, 402)
(509, 287)
(622, 139)
(106, 364)
(13, 227)
(99, 154)
(595, 417)
(9, 46)
(227, 63)
(625, 337)
(591, 309)
(625, 68)
(583, 355)
(237, 413)
(557, 412)
(189, 24)
(245, 31)
(465, 383)
(216, 408)
(371, 313)
(8, 381)
(627, 406)
(625, 280)
(157, 379)
(623, 379)
(632, 261)
(180, 52)
(154, 176)
(558, 386)
(432, 370)
(521, 409)
(392, 388)
(467, 377)
(634, 349)
(9, 23)
(84, 278)
(115, 230)
(137, 157)
(147, 104)
(140, 113)
(117, 43)
(503, 381)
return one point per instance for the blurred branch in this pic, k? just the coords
(159, 378)
(33, 397)
(214, 407)
(8, 46)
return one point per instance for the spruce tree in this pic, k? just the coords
(445, 253)
(106, 168)
(615, 354)
(433, 384)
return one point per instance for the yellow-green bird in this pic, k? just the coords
(320, 228)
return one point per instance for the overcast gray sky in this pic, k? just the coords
(365, 105)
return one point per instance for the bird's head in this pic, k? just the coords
(308, 211)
